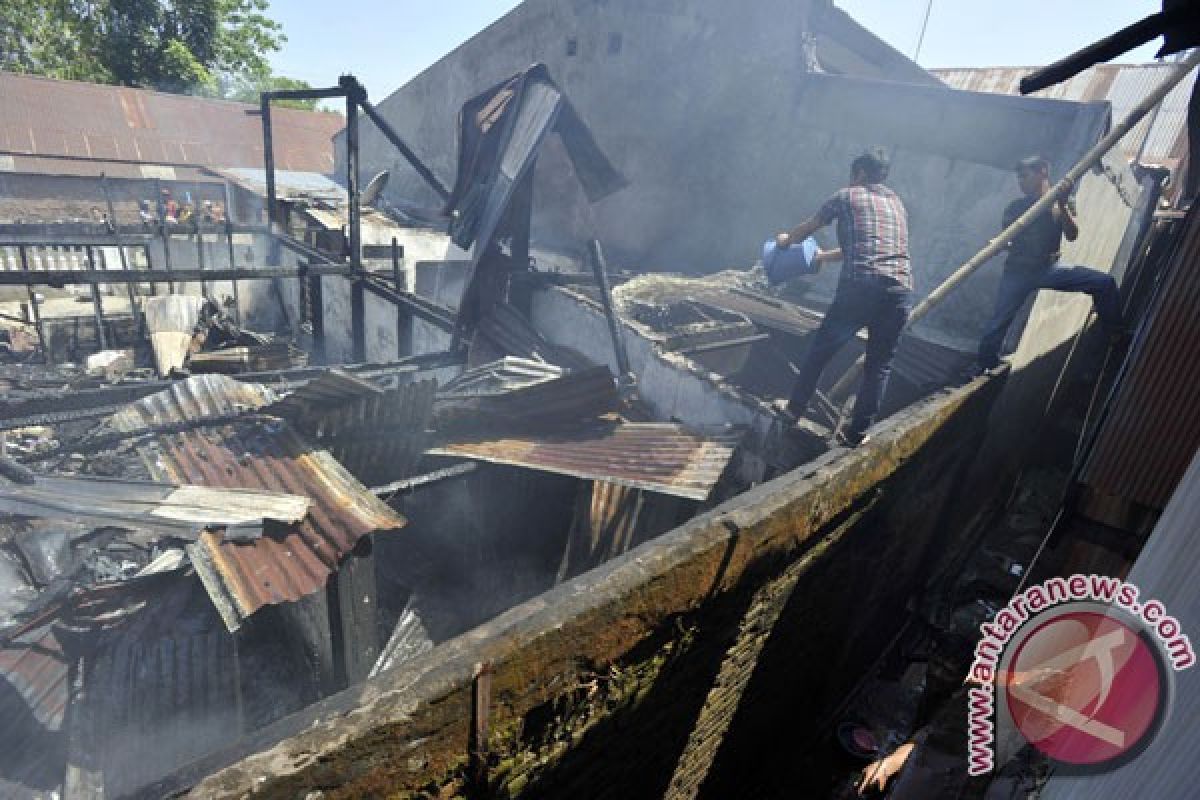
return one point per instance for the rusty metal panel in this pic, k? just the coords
(34, 693)
(46, 117)
(659, 457)
(1167, 569)
(514, 392)
(507, 332)
(377, 434)
(283, 566)
(326, 391)
(1152, 430)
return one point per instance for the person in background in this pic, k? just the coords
(185, 214)
(875, 290)
(206, 214)
(1033, 262)
(145, 214)
(170, 208)
(218, 213)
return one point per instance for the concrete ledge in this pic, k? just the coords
(407, 729)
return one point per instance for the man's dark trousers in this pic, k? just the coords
(882, 307)
(1017, 283)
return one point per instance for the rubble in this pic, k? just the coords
(110, 365)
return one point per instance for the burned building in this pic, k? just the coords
(479, 488)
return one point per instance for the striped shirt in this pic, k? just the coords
(872, 232)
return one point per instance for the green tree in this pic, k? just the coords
(249, 87)
(210, 47)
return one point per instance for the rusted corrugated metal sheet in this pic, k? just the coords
(34, 692)
(34, 666)
(1167, 569)
(1123, 85)
(525, 393)
(282, 566)
(507, 332)
(45, 117)
(1152, 430)
(659, 457)
(324, 392)
(377, 434)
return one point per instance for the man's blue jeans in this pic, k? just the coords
(1017, 284)
(882, 308)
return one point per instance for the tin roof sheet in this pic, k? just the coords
(47, 117)
(1152, 430)
(284, 565)
(659, 457)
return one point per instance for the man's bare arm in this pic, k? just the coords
(825, 256)
(800, 232)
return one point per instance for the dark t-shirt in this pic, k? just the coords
(1038, 245)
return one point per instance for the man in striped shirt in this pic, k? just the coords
(875, 290)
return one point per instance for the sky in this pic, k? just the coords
(387, 42)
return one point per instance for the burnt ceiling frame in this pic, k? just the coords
(355, 96)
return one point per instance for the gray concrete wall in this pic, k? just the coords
(660, 83)
(381, 320)
(708, 111)
(336, 316)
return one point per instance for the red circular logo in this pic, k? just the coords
(1086, 689)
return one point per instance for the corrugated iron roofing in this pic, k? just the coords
(506, 331)
(280, 567)
(1152, 431)
(659, 457)
(379, 437)
(289, 184)
(46, 117)
(328, 390)
(1123, 85)
(1167, 569)
(34, 692)
(540, 401)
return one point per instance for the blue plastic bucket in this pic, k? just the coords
(791, 262)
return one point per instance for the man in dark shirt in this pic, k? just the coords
(875, 290)
(1033, 262)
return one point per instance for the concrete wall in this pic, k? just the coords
(336, 315)
(758, 614)
(726, 139)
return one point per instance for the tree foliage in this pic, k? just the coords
(209, 47)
